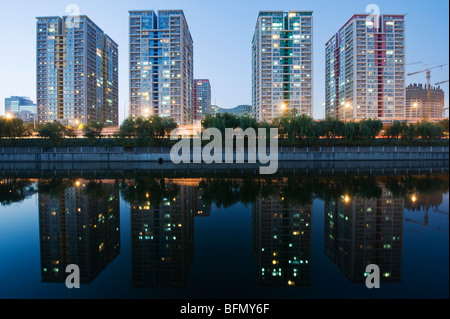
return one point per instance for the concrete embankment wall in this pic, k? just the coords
(162, 154)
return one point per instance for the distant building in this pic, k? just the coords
(239, 110)
(416, 103)
(77, 72)
(21, 107)
(161, 65)
(282, 62)
(365, 69)
(202, 98)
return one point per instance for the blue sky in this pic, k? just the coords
(222, 33)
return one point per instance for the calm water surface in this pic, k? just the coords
(225, 237)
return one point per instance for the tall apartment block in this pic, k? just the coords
(161, 65)
(365, 69)
(282, 64)
(417, 103)
(202, 98)
(77, 72)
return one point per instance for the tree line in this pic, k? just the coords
(303, 129)
(292, 129)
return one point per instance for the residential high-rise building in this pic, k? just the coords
(365, 69)
(161, 65)
(77, 72)
(21, 107)
(417, 103)
(282, 64)
(202, 98)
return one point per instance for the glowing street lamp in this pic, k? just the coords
(346, 199)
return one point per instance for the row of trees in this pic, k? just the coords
(293, 129)
(14, 128)
(296, 129)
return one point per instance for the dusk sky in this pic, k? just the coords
(222, 33)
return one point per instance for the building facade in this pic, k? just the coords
(417, 103)
(77, 72)
(161, 65)
(282, 64)
(202, 98)
(21, 107)
(365, 69)
(239, 110)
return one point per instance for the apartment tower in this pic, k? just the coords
(365, 69)
(161, 65)
(282, 64)
(202, 98)
(77, 72)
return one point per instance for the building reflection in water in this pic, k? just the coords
(281, 242)
(79, 224)
(162, 231)
(365, 230)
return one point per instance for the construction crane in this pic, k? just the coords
(413, 63)
(428, 71)
(440, 82)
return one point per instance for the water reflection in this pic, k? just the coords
(363, 230)
(162, 231)
(364, 223)
(281, 241)
(79, 224)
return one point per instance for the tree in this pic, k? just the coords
(372, 128)
(11, 128)
(408, 131)
(128, 129)
(144, 130)
(350, 131)
(70, 132)
(429, 131)
(54, 131)
(445, 125)
(317, 130)
(163, 128)
(93, 132)
(28, 129)
(394, 130)
(333, 127)
(246, 121)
